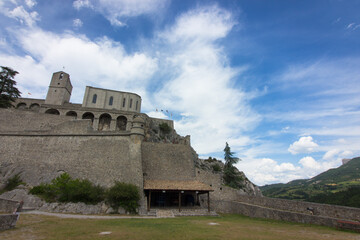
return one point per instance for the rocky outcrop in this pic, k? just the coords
(214, 167)
(32, 202)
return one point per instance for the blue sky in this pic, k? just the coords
(278, 80)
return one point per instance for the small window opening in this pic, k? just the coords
(124, 100)
(61, 76)
(111, 101)
(137, 103)
(130, 103)
(94, 98)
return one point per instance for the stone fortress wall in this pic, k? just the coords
(292, 211)
(163, 161)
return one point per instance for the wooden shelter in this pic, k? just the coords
(165, 190)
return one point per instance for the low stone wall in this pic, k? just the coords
(8, 221)
(261, 212)
(8, 206)
(324, 210)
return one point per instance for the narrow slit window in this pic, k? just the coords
(124, 102)
(111, 101)
(94, 98)
(130, 103)
(137, 103)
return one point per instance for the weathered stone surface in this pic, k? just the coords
(205, 173)
(7, 221)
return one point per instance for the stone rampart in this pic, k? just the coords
(325, 210)
(13, 120)
(268, 213)
(102, 159)
(163, 161)
(8, 206)
(8, 221)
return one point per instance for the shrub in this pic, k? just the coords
(165, 128)
(123, 195)
(66, 189)
(13, 182)
(216, 167)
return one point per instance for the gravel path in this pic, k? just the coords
(79, 216)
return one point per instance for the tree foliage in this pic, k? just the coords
(165, 128)
(231, 176)
(124, 195)
(8, 91)
(66, 189)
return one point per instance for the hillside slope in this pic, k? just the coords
(336, 186)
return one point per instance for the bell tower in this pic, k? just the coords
(59, 90)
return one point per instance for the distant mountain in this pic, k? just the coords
(339, 186)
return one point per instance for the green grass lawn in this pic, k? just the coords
(229, 227)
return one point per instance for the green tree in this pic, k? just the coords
(8, 91)
(229, 157)
(231, 177)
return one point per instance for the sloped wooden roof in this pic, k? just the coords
(176, 185)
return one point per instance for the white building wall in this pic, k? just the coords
(103, 97)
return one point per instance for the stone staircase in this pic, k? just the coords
(170, 213)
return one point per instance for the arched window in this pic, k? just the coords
(61, 76)
(121, 122)
(21, 106)
(111, 101)
(94, 98)
(104, 122)
(130, 103)
(72, 114)
(52, 111)
(88, 115)
(137, 103)
(124, 102)
(35, 107)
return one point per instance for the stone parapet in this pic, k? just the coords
(8, 221)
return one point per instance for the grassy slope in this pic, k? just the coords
(229, 227)
(330, 184)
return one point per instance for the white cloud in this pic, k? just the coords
(118, 10)
(102, 63)
(78, 4)
(200, 88)
(304, 145)
(331, 154)
(265, 171)
(77, 23)
(30, 3)
(23, 16)
(310, 163)
(350, 25)
(157, 114)
(194, 25)
(337, 154)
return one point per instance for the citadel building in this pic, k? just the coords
(105, 139)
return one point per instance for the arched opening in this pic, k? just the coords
(21, 106)
(52, 111)
(72, 114)
(104, 122)
(88, 115)
(35, 107)
(94, 98)
(111, 101)
(121, 122)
